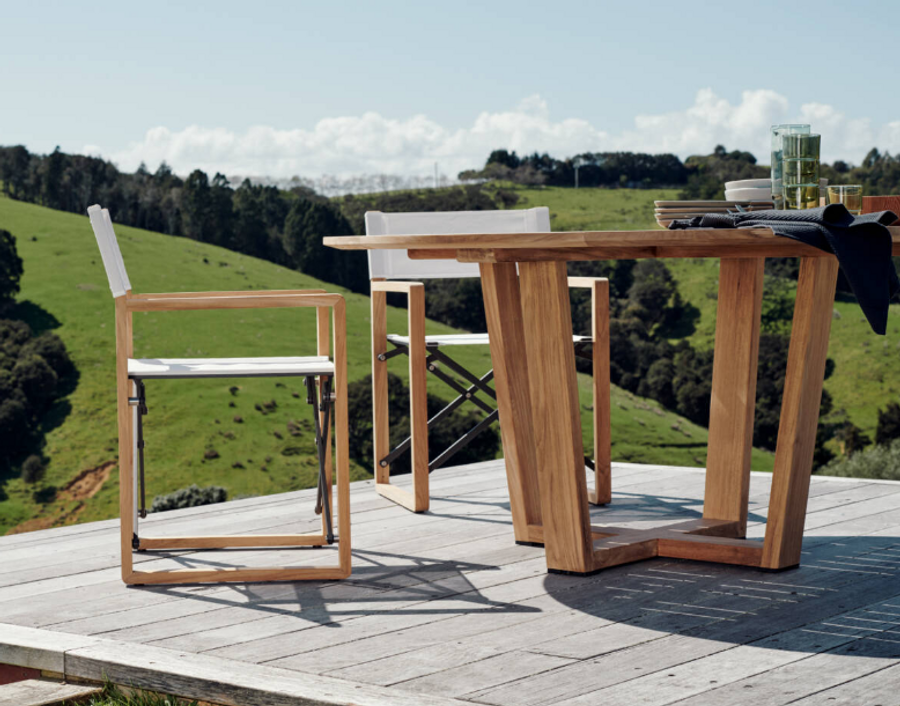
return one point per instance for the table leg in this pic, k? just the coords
(800, 411)
(556, 416)
(733, 401)
(503, 309)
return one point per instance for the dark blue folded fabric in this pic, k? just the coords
(862, 245)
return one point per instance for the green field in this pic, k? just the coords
(64, 289)
(867, 366)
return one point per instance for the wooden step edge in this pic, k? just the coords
(38, 692)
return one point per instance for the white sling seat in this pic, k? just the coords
(461, 339)
(144, 368)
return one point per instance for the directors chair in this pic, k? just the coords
(427, 354)
(326, 381)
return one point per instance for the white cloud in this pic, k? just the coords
(371, 143)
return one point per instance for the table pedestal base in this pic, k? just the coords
(530, 325)
(700, 540)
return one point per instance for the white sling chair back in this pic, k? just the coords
(326, 379)
(386, 269)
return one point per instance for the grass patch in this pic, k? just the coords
(114, 696)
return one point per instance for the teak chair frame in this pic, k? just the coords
(126, 304)
(418, 500)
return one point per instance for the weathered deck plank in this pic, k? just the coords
(444, 608)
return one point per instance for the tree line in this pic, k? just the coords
(699, 176)
(285, 227)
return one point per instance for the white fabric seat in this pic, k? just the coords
(461, 339)
(228, 367)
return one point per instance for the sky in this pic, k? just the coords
(311, 88)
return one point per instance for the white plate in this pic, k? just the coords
(749, 194)
(749, 184)
(702, 204)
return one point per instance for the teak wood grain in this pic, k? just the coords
(417, 500)
(536, 303)
(547, 318)
(733, 401)
(503, 310)
(802, 395)
(604, 245)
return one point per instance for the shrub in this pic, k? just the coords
(192, 496)
(879, 462)
(10, 268)
(36, 378)
(13, 335)
(485, 446)
(888, 427)
(44, 495)
(50, 347)
(14, 426)
(33, 469)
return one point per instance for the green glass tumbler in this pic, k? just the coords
(777, 134)
(800, 171)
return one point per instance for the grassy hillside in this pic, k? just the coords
(867, 372)
(64, 289)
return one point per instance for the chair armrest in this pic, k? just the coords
(216, 295)
(585, 282)
(400, 287)
(231, 300)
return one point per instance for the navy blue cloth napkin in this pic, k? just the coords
(862, 245)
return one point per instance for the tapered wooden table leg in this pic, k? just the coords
(503, 309)
(556, 417)
(733, 401)
(800, 411)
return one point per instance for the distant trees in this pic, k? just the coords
(10, 269)
(249, 219)
(606, 169)
(304, 225)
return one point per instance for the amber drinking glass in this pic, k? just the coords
(848, 194)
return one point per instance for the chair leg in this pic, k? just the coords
(125, 419)
(418, 500)
(418, 400)
(380, 421)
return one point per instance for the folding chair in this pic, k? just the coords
(326, 381)
(427, 353)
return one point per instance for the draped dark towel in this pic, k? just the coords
(862, 245)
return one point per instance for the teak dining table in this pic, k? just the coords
(529, 321)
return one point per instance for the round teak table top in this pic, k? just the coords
(590, 245)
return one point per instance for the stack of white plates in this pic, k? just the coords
(667, 211)
(749, 190)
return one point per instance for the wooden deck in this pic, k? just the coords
(444, 608)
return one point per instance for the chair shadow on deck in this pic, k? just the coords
(844, 598)
(382, 583)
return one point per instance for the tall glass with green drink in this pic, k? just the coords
(800, 170)
(778, 132)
